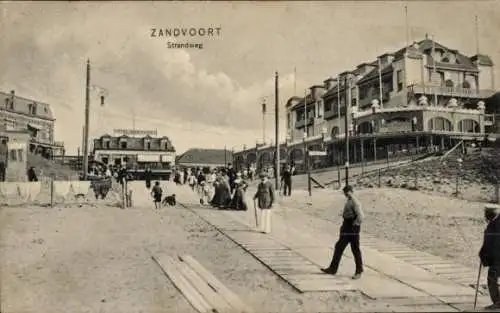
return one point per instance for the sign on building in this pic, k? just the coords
(168, 158)
(148, 158)
(135, 132)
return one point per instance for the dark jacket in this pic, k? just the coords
(490, 251)
(265, 195)
(286, 176)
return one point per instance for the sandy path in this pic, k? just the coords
(93, 259)
(447, 227)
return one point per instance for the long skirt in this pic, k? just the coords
(238, 202)
(222, 197)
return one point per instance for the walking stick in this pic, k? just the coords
(477, 284)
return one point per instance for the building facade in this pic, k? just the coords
(35, 117)
(14, 156)
(421, 97)
(136, 153)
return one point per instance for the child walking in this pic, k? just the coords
(157, 192)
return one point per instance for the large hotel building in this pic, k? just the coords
(18, 114)
(425, 96)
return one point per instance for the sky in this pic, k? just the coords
(210, 97)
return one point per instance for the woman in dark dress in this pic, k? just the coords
(238, 203)
(222, 196)
(148, 175)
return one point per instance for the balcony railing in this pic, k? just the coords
(450, 91)
(366, 101)
(300, 123)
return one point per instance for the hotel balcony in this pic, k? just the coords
(450, 91)
(300, 123)
(366, 101)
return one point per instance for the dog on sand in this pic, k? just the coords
(169, 200)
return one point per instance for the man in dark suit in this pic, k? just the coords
(286, 180)
(490, 253)
(349, 234)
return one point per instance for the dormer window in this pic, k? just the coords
(32, 108)
(123, 143)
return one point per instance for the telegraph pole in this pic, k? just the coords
(277, 127)
(86, 130)
(264, 111)
(346, 124)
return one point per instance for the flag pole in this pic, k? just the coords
(434, 69)
(405, 84)
(477, 34)
(295, 81)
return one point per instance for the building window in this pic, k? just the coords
(400, 78)
(449, 83)
(123, 145)
(320, 108)
(328, 106)
(107, 144)
(148, 145)
(466, 85)
(20, 155)
(32, 108)
(13, 155)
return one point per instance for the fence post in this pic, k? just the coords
(123, 196)
(497, 192)
(338, 176)
(130, 198)
(379, 178)
(416, 179)
(52, 190)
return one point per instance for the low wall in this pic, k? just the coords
(47, 192)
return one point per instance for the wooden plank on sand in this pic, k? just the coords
(229, 296)
(170, 269)
(215, 299)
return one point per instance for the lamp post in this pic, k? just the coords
(459, 174)
(323, 136)
(306, 164)
(287, 143)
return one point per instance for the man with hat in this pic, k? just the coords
(490, 253)
(286, 180)
(349, 234)
(265, 198)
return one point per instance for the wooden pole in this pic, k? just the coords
(52, 190)
(87, 122)
(277, 127)
(346, 125)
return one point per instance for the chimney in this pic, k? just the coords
(330, 83)
(317, 91)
